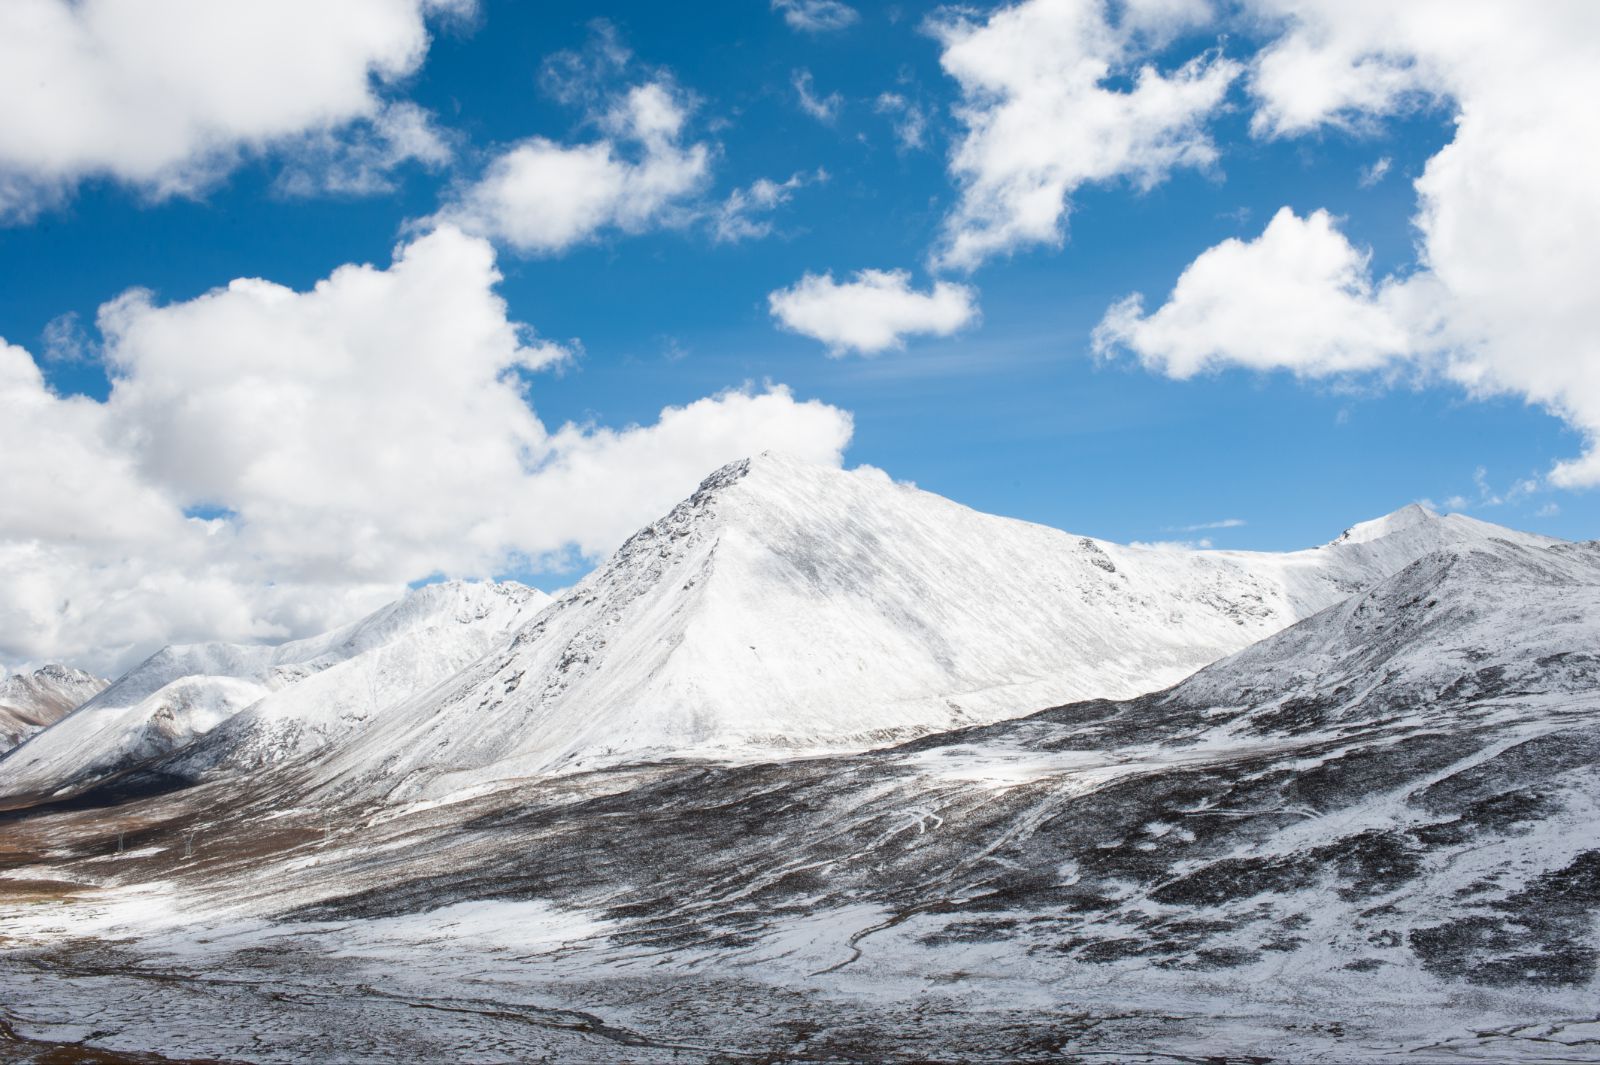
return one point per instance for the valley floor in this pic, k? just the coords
(881, 907)
(371, 991)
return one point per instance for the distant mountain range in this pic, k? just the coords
(31, 702)
(299, 695)
(784, 608)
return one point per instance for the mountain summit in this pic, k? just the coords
(791, 607)
(31, 701)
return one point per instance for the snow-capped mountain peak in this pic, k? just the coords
(789, 606)
(782, 607)
(32, 701)
(1409, 516)
(1503, 615)
(184, 691)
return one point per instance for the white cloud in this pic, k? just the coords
(816, 16)
(876, 310)
(910, 122)
(370, 431)
(1299, 296)
(541, 197)
(362, 159)
(741, 215)
(585, 75)
(1375, 173)
(1331, 67)
(824, 109)
(169, 95)
(65, 339)
(1502, 301)
(1225, 523)
(1487, 496)
(1043, 116)
(605, 483)
(1162, 19)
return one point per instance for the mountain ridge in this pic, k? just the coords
(857, 610)
(782, 608)
(31, 702)
(182, 692)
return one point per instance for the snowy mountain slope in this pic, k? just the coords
(1461, 623)
(1369, 837)
(1379, 820)
(1372, 550)
(346, 696)
(348, 675)
(790, 607)
(31, 701)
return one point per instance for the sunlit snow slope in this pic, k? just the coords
(31, 701)
(299, 694)
(787, 606)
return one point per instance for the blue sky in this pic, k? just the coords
(1013, 413)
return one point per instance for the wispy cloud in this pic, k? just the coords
(1373, 174)
(65, 340)
(742, 215)
(1485, 494)
(1225, 523)
(816, 16)
(910, 121)
(824, 109)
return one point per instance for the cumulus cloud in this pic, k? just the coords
(1163, 19)
(1044, 114)
(874, 311)
(541, 197)
(1502, 298)
(1299, 296)
(169, 96)
(271, 461)
(816, 16)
